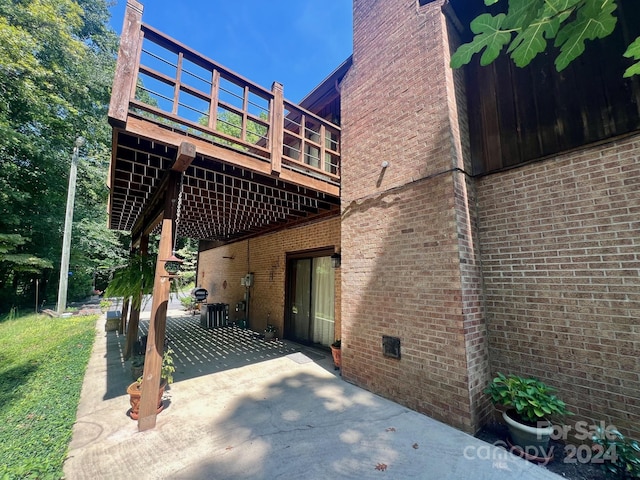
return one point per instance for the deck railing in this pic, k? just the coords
(180, 89)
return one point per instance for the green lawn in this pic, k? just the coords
(42, 365)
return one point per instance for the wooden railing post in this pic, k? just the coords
(126, 67)
(323, 146)
(176, 89)
(213, 106)
(276, 132)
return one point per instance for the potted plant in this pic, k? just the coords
(337, 354)
(270, 332)
(166, 377)
(528, 406)
(137, 366)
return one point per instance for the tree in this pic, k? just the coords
(57, 59)
(189, 255)
(527, 25)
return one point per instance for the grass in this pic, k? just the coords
(42, 365)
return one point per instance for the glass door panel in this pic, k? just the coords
(301, 299)
(311, 309)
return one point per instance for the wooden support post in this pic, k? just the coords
(213, 106)
(158, 318)
(276, 131)
(126, 68)
(161, 289)
(124, 315)
(132, 329)
(157, 327)
(134, 320)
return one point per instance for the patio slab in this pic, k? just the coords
(243, 408)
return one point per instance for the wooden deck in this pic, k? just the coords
(261, 162)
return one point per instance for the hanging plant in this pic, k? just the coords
(132, 279)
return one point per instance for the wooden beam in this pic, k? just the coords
(147, 129)
(186, 154)
(151, 226)
(126, 67)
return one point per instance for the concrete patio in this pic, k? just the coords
(244, 408)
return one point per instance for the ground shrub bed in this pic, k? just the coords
(42, 366)
(561, 464)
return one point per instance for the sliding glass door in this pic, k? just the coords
(311, 300)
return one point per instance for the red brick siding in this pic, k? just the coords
(394, 98)
(560, 254)
(401, 278)
(475, 331)
(265, 257)
(408, 233)
(407, 229)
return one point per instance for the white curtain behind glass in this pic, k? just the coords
(323, 301)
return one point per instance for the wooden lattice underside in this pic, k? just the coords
(220, 201)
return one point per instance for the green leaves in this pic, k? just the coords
(633, 52)
(489, 37)
(594, 20)
(134, 278)
(620, 458)
(531, 398)
(56, 68)
(527, 26)
(532, 41)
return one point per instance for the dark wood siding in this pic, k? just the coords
(517, 115)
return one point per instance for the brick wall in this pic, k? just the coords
(265, 257)
(474, 324)
(401, 278)
(560, 254)
(410, 266)
(394, 105)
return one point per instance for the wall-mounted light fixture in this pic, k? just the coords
(336, 260)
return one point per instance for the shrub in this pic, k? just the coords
(529, 397)
(621, 460)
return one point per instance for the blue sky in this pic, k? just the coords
(294, 42)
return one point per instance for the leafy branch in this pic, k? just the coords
(133, 279)
(528, 26)
(633, 52)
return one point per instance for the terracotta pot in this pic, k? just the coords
(135, 392)
(337, 357)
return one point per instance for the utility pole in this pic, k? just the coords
(68, 223)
